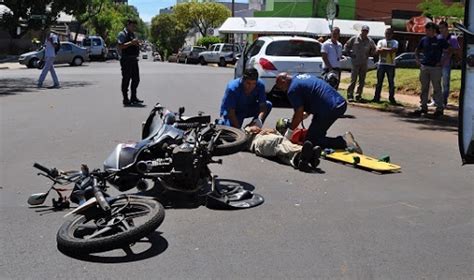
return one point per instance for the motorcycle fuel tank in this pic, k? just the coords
(123, 156)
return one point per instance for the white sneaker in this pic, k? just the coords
(352, 143)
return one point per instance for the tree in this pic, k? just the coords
(202, 16)
(436, 9)
(36, 14)
(167, 33)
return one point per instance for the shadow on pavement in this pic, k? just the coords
(25, 85)
(139, 251)
(182, 200)
(447, 123)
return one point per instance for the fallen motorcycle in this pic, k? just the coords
(174, 153)
(101, 222)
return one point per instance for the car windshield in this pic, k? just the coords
(294, 48)
(86, 43)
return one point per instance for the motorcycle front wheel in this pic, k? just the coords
(231, 140)
(130, 219)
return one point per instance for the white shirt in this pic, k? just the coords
(334, 52)
(387, 58)
(49, 47)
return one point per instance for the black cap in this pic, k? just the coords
(250, 74)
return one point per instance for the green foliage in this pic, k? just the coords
(437, 9)
(208, 40)
(167, 33)
(202, 16)
(24, 9)
(112, 19)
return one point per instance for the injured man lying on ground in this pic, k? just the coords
(269, 143)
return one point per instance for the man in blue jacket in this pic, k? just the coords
(245, 98)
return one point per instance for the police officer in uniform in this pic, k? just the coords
(129, 46)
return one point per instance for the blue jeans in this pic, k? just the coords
(381, 71)
(319, 126)
(246, 113)
(446, 79)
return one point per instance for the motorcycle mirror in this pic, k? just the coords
(37, 198)
(181, 111)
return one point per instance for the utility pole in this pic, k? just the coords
(233, 7)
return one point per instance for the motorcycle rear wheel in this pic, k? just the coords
(99, 231)
(231, 140)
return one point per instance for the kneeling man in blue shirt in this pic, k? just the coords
(310, 95)
(245, 98)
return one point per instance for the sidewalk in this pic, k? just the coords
(408, 103)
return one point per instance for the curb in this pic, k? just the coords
(406, 111)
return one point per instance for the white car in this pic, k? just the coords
(96, 46)
(346, 63)
(221, 53)
(275, 54)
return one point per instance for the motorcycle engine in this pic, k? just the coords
(185, 171)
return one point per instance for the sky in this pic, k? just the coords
(150, 8)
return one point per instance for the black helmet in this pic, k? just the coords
(250, 74)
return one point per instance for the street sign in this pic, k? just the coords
(331, 10)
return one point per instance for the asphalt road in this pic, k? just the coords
(344, 223)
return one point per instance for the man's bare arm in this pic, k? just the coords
(297, 118)
(233, 118)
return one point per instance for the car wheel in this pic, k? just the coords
(77, 61)
(222, 62)
(33, 63)
(202, 61)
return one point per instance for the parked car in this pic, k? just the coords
(112, 53)
(68, 53)
(346, 63)
(190, 54)
(173, 57)
(406, 60)
(222, 54)
(96, 46)
(145, 55)
(274, 54)
(157, 56)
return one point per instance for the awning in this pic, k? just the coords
(350, 28)
(286, 26)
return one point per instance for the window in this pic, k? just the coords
(96, 42)
(294, 48)
(86, 42)
(227, 48)
(66, 47)
(255, 48)
(199, 49)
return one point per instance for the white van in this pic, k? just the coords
(96, 46)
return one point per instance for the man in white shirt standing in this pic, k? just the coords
(49, 56)
(386, 49)
(331, 51)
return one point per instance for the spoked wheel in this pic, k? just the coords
(130, 219)
(231, 140)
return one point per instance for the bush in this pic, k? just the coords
(208, 40)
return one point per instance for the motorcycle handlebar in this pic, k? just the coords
(51, 172)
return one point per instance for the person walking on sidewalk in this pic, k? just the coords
(331, 52)
(430, 69)
(129, 46)
(359, 48)
(446, 58)
(386, 49)
(50, 47)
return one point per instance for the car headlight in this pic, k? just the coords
(21, 57)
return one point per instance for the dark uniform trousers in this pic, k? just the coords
(130, 72)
